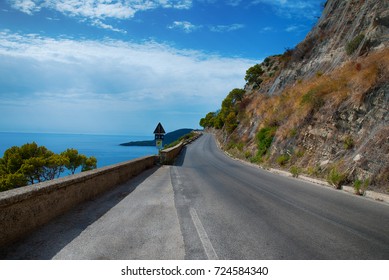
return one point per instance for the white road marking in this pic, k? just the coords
(209, 250)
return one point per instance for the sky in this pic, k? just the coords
(121, 66)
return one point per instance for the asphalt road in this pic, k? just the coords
(209, 206)
(248, 213)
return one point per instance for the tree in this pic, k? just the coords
(30, 164)
(231, 122)
(209, 120)
(88, 163)
(253, 74)
(75, 159)
(237, 94)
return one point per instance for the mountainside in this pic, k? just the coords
(321, 108)
(169, 138)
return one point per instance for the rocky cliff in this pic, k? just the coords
(321, 108)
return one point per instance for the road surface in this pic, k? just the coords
(209, 206)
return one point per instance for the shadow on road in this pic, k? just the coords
(51, 238)
(181, 157)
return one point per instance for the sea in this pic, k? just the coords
(105, 148)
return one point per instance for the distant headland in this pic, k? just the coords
(169, 138)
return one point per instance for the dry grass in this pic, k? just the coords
(297, 103)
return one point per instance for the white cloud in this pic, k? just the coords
(96, 11)
(26, 6)
(234, 3)
(119, 9)
(226, 28)
(94, 83)
(185, 26)
(101, 24)
(266, 29)
(292, 8)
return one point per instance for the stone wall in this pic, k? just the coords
(167, 156)
(24, 209)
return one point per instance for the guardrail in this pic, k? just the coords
(24, 209)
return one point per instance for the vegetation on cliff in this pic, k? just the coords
(321, 108)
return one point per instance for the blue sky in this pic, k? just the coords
(122, 66)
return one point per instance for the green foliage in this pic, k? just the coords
(336, 178)
(312, 98)
(253, 73)
(295, 171)
(314, 171)
(228, 114)
(231, 122)
(360, 186)
(187, 136)
(282, 160)
(348, 143)
(256, 159)
(209, 120)
(299, 153)
(293, 132)
(75, 160)
(247, 154)
(353, 45)
(237, 94)
(88, 163)
(264, 139)
(30, 164)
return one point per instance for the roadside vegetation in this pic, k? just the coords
(182, 138)
(30, 164)
(282, 117)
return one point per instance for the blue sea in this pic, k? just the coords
(104, 147)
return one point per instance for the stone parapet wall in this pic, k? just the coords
(24, 209)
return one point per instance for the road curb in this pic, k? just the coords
(368, 194)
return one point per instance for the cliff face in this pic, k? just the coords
(324, 48)
(324, 104)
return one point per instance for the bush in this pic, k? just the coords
(360, 186)
(264, 139)
(353, 45)
(253, 73)
(348, 143)
(314, 170)
(295, 171)
(312, 98)
(283, 159)
(336, 178)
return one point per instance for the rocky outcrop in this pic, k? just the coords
(324, 48)
(328, 98)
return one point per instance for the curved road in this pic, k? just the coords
(209, 206)
(248, 213)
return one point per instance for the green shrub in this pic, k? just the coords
(313, 170)
(295, 171)
(354, 44)
(348, 143)
(360, 186)
(253, 73)
(312, 98)
(283, 159)
(264, 139)
(336, 178)
(293, 132)
(299, 153)
(256, 159)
